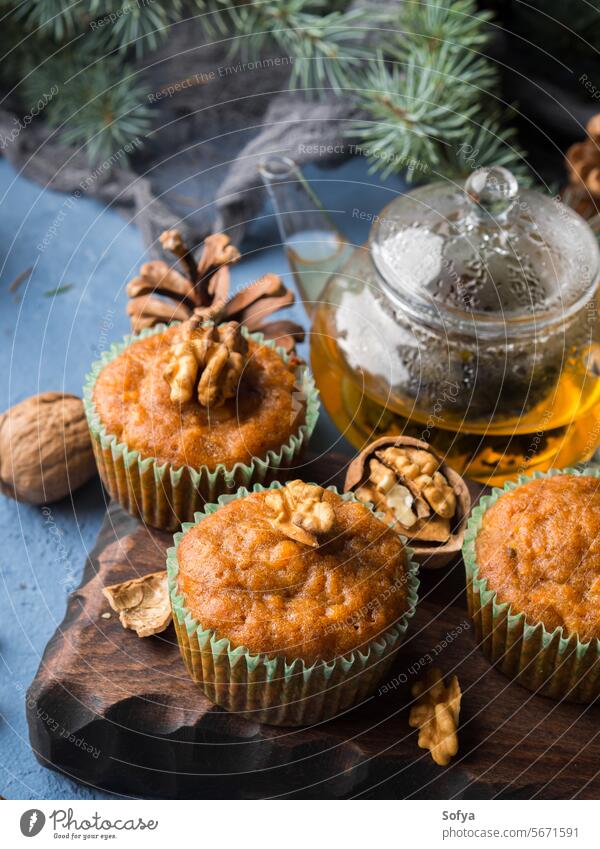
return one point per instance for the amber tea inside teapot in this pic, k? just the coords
(468, 320)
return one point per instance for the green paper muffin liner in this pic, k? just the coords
(272, 689)
(549, 663)
(164, 496)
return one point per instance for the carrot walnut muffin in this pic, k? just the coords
(296, 574)
(539, 548)
(166, 397)
(532, 555)
(303, 589)
(211, 399)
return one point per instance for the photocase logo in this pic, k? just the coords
(32, 822)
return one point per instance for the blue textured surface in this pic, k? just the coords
(48, 342)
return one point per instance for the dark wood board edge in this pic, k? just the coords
(157, 736)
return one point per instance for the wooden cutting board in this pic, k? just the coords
(119, 713)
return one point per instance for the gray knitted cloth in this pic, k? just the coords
(215, 119)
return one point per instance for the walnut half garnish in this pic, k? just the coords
(435, 714)
(300, 513)
(406, 484)
(206, 362)
(142, 604)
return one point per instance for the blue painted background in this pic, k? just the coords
(48, 342)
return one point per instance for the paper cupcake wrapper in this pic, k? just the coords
(164, 496)
(549, 663)
(272, 689)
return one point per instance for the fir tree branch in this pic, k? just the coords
(428, 98)
(456, 23)
(110, 24)
(99, 107)
(429, 95)
(325, 45)
(137, 24)
(56, 18)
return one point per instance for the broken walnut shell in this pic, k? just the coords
(143, 603)
(444, 535)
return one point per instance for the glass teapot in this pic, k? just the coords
(468, 320)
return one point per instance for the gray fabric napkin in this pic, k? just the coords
(216, 117)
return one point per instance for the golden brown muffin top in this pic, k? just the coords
(132, 398)
(539, 548)
(246, 578)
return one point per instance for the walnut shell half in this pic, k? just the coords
(45, 448)
(435, 539)
(142, 603)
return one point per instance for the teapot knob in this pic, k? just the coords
(492, 191)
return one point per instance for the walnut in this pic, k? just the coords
(383, 478)
(207, 362)
(417, 492)
(435, 714)
(419, 470)
(300, 512)
(406, 485)
(396, 502)
(440, 495)
(45, 448)
(142, 604)
(410, 462)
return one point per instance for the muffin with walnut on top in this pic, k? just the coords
(184, 413)
(290, 602)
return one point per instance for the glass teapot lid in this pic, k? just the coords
(489, 252)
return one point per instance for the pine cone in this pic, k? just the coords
(583, 168)
(162, 293)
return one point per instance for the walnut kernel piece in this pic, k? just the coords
(439, 494)
(412, 491)
(396, 503)
(300, 512)
(435, 714)
(142, 604)
(410, 462)
(383, 478)
(400, 501)
(207, 362)
(420, 471)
